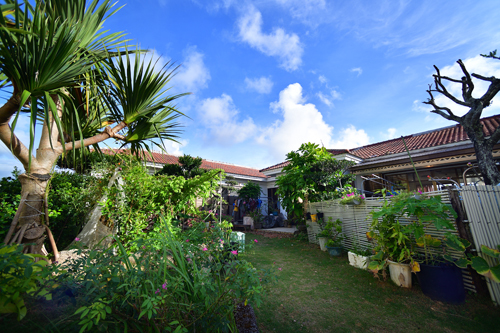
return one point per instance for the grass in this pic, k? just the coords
(319, 293)
(314, 293)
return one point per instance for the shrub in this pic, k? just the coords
(21, 275)
(182, 286)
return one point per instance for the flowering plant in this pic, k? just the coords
(351, 197)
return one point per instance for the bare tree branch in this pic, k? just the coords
(439, 109)
(484, 78)
(467, 84)
(442, 89)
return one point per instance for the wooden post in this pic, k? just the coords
(464, 232)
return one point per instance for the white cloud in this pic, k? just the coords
(309, 12)
(328, 99)
(418, 106)
(389, 134)
(262, 85)
(480, 65)
(324, 99)
(322, 79)
(350, 137)
(286, 47)
(302, 122)
(193, 75)
(174, 148)
(220, 116)
(358, 70)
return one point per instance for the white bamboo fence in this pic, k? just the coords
(482, 204)
(356, 221)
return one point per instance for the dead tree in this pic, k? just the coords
(470, 121)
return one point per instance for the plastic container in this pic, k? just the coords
(400, 274)
(442, 283)
(322, 243)
(335, 251)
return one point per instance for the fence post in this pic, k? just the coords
(464, 232)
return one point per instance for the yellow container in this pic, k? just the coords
(314, 218)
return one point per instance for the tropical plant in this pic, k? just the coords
(391, 236)
(395, 240)
(76, 81)
(311, 174)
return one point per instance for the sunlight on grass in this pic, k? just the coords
(319, 293)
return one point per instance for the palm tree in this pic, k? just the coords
(82, 85)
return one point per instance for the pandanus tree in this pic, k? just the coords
(79, 85)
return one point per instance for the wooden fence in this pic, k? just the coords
(482, 204)
(356, 221)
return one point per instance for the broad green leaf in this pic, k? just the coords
(490, 252)
(428, 240)
(480, 265)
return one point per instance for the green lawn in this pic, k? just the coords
(319, 293)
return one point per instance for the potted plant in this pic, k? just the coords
(438, 278)
(359, 258)
(351, 197)
(393, 245)
(334, 242)
(323, 236)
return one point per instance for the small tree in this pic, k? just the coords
(312, 174)
(188, 167)
(249, 191)
(471, 120)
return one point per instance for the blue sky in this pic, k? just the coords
(266, 76)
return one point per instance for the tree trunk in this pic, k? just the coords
(487, 165)
(30, 226)
(484, 152)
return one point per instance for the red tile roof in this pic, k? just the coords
(276, 166)
(433, 138)
(205, 164)
(438, 137)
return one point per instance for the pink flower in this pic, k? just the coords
(279, 269)
(205, 249)
(256, 241)
(77, 239)
(187, 240)
(157, 291)
(234, 252)
(419, 191)
(164, 286)
(143, 247)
